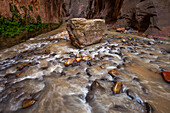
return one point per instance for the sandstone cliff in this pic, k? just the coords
(149, 16)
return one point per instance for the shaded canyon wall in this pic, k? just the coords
(149, 16)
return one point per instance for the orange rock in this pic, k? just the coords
(13, 91)
(27, 102)
(117, 87)
(133, 65)
(69, 61)
(18, 74)
(114, 72)
(102, 67)
(119, 41)
(123, 40)
(78, 59)
(166, 76)
(87, 58)
(120, 29)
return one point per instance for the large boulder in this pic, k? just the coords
(84, 32)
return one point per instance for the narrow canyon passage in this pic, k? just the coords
(46, 74)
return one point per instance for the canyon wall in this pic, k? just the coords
(149, 16)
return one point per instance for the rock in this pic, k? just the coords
(85, 32)
(27, 102)
(119, 41)
(166, 76)
(120, 29)
(117, 87)
(78, 59)
(130, 94)
(114, 72)
(69, 61)
(145, 16)
(78, 56)
(148, 108)
(87, 58)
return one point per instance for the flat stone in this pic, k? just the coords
(84, 32)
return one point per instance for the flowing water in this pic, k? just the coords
(34, 79)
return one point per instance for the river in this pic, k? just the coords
(34, 78)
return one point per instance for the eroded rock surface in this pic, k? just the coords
(150, 16)
(85, 32)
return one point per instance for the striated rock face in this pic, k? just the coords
(48, 10)
(149, 16)
(85, 32)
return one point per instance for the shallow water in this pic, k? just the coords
(35, 70)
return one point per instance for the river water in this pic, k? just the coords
(34, 79)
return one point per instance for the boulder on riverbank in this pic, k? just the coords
(84, 32)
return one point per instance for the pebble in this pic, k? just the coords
(27, 103)
(69, 61)
(78, 59)
(119, 41)
(117, 87)
(87, 58)
(114, 72)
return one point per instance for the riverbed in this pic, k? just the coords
(34, 77)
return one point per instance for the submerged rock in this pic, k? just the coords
(85, 32)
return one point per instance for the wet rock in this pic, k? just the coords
(78, 59)
(120, 29)
(88, 72)
(96, 86)
(119, 41)
(117, 87)
(89, 96)
(85, 32)
(166, 76)
(23, 65)
(148, 108)
(114, 72)
(130, 94)
(87, 58)
(69, 61)
(27, 103)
